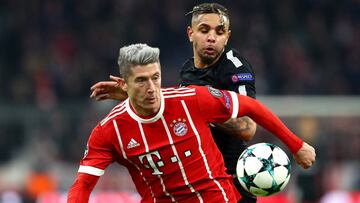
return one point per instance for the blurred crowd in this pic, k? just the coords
(54, 50)
(51, 52)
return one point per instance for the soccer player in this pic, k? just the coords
(162, 136)
(213, 65)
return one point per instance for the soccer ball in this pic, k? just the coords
(263, 169)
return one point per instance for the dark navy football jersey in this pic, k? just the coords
(231, 72)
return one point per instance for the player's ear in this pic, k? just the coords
(122, 84)
(190, 32)
(229, 34)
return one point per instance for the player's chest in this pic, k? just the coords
(168, 133)
(208, 76)
(160, 146)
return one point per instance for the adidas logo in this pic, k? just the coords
(132, 144)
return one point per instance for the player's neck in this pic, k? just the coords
(199, 64)
(142, 112)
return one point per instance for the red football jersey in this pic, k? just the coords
(171, 156)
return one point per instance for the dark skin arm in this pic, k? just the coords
(108, 90)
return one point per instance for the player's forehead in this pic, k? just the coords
(210, 19)
(147, 70)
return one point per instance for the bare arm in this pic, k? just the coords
(243, 128)
(108, 90)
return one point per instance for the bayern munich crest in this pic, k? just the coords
(179, 127)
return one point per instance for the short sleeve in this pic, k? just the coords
(215, 105)
(238, 78)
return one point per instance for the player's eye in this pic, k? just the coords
(220, 31)
(204, 31)
(156, 78)
(140, 80)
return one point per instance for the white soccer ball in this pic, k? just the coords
(263, 169)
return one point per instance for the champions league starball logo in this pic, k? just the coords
(179, 127)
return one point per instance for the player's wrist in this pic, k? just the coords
(296, 146)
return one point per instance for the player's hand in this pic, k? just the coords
(305, 157)
(243, 128)
(108, 90)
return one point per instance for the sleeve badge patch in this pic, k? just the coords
(215, 92)
(242, 77)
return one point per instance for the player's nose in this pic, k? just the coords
(211, 37)
(151, 86)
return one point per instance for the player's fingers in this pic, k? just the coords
(96, 92)
(312, 156)
(308, 163)
(102, 97)
(102, 84)
(114, 78)
(304, 165)
(304, 162)
(96, 85)
(93, 93)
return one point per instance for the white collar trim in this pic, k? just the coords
(149, 120)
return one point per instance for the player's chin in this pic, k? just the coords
(152, 105)
(152, 101)
(208, 58)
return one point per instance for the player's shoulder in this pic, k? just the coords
(117, 111)
(187, 69)
(205, 90)
(233, 60)
(188, 64)
(178, 92)
(189, 93)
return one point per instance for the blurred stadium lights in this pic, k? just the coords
(332, 106)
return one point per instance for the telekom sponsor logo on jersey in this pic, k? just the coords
(179, 127)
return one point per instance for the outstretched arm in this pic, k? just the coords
(304, 154)
(108, 90)
(80, 190)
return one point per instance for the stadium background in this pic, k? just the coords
(52, 51)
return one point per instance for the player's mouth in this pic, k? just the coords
(210, 51)
(150, 100)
